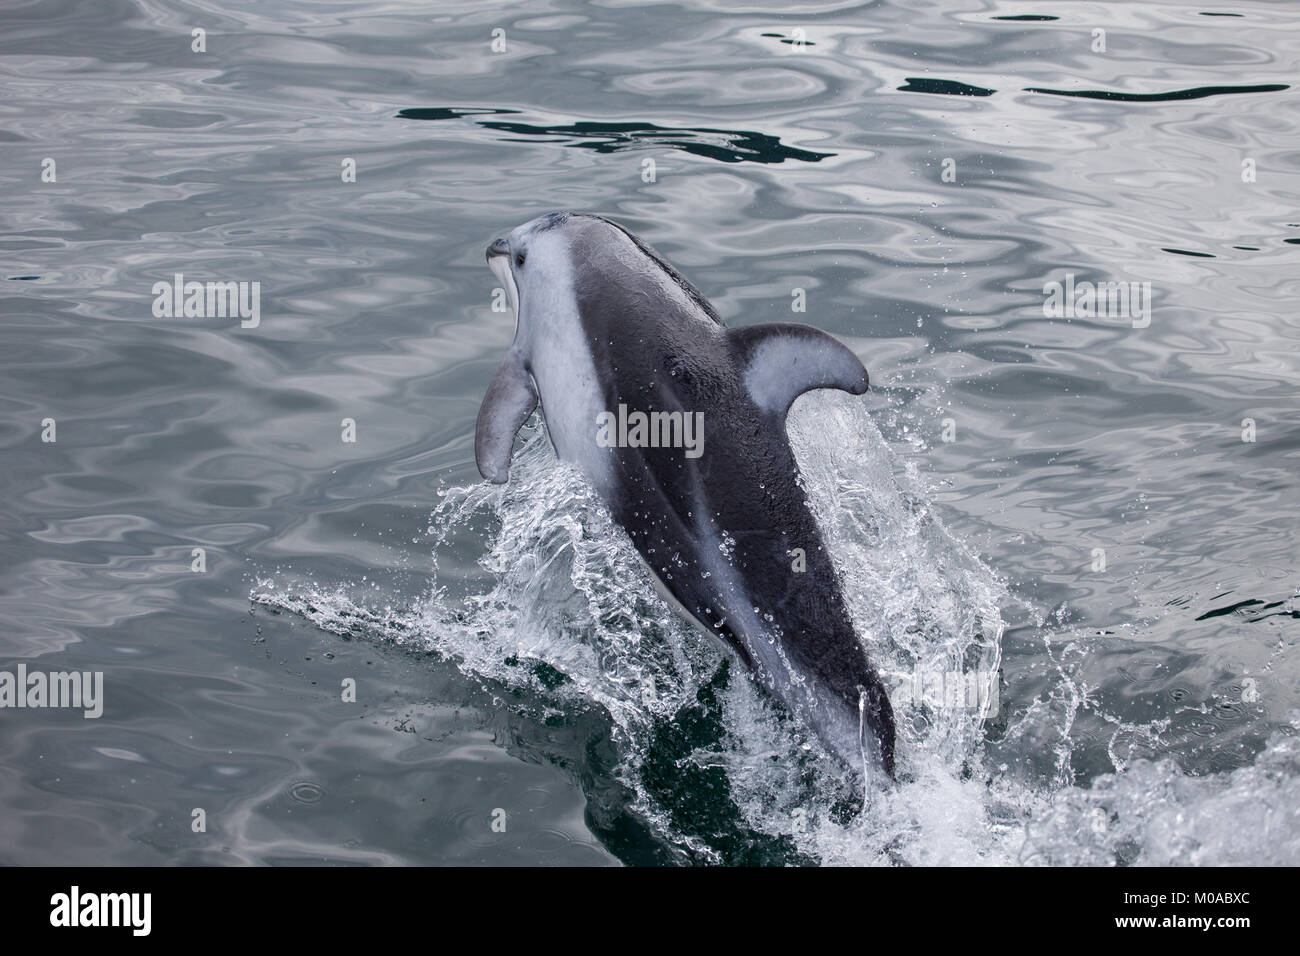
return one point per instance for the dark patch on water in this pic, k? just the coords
(788, 40)
(921, 84)
(1196, 93)
(728, 146)
(1221, 611)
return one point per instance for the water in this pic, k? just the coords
(508, 655)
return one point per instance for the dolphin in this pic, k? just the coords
(679, 424)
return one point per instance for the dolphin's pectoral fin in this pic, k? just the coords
(510, 399)
(783, 360)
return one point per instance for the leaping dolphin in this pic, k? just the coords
(679, 424)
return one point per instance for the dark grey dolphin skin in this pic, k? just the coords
(602, 322)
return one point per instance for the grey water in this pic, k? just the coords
(375, 659)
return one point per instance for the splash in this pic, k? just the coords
(1153, 814)
(564, 615)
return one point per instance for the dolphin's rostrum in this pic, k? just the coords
(607, 331)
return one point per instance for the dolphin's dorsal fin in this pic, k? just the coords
(783, 360)
(510, 399)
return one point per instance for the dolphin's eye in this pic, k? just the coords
(519, 259)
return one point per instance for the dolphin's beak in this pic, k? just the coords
(498, 258)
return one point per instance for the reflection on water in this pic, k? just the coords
(1125, 496)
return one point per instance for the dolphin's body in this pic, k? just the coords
(602, 322)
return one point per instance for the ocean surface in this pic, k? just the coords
(377, 659)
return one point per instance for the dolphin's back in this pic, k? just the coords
(729, 533)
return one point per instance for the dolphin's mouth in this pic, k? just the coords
(498, 257)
